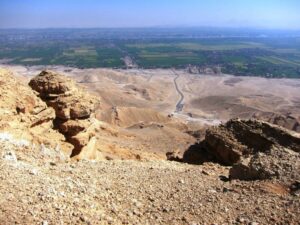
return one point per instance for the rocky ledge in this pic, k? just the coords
(254, 149)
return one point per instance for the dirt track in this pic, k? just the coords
(179, 105)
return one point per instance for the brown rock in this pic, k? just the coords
(89, 151)
(238, 138)
(278, 162)
(61, 93)
(224, 146)
(73, 127)
(49, 83)
(254, 149)
(73, 107)
(174, 156)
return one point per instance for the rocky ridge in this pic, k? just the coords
(254, 150)
(78, 131)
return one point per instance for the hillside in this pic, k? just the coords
(67, 157)
(40, 187)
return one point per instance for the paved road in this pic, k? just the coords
(179, 105)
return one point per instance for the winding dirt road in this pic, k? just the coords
(179, 105)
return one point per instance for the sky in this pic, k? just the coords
(282, 14)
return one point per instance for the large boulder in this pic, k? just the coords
(49, 83)
(61, 93)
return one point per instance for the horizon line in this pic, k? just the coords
(151, 27)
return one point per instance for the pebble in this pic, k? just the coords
(123, 195)
(10, 156)
(33, 172)
(181, 181)
(241, 220)
(206, 172)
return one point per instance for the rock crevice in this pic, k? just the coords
(74, 109)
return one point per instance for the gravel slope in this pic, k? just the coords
(39, 186)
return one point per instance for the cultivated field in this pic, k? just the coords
(249, 54)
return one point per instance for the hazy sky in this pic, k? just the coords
(145, 13)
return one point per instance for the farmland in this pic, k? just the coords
(246, 55)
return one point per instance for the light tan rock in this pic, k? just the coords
(68, 100)
(26, 116)
(73, 107)
(90, 152)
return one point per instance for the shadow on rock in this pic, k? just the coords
(254, 149)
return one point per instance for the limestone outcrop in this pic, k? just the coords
(61, 93)
(239, 138)
(74, 109)
(26, 116)
(254, 149)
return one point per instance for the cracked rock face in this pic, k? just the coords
(255, 150)
(21, 102)
(26, 116)
(74, 109)
(236, 139)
